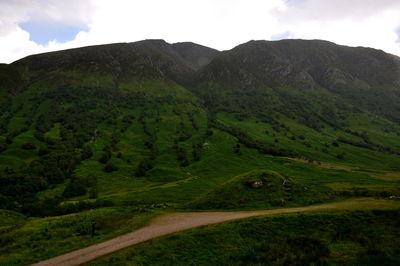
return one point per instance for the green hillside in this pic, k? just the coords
(151, 126)
(343, 238)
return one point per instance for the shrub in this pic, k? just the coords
(86, 153)
(110, 168)
(3, 147)
(209, 133)
(340, 156)
(237, 149)
(181, 154)
(105, 158)
(143, 167)
(43, 151)
(197, 152)
(28, 146)
(93, 193)
(185, 163)
(74, 188)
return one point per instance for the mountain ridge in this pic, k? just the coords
(117, 133)
(147, 110)
(283, 50)
(148, 51)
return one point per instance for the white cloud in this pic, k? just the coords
(16, 44)
(70, 12)
(220, 24)
(370, 23)
(331, 10)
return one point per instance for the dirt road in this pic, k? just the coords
(175, 222)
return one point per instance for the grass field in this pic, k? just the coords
(27, 240)
(324, 238)
(77, 146)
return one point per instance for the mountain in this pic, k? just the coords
(364, 77)
(150, 124)
(316, 63)
(149, 58)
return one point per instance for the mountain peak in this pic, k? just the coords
(153, 57)
(308, 63)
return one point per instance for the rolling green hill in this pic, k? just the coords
(152, 125)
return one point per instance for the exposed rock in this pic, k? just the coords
(394, 197)
(255, 184)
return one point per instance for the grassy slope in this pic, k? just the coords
(166, 119)
(27, 240)
(318, 145)
(276, 190)
(169, 183)
(339, 238)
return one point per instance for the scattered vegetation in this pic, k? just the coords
(346, 238)
(260, 189)
(83, 134)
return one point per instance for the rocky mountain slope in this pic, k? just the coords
(160, 113)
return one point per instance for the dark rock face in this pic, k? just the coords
(196, 56)
(144, 59)
(298, 63)
(366, 78)
(311, 63)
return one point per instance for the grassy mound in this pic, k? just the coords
(259, 189)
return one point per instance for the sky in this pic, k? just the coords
(37, 26)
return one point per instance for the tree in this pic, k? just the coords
(28, 146)
(340, 156)
(110, 168)
(209, 133)
(75, 188)
(105, 158)
(93, 193)
(3, 147)
(197, 152)
(43, 151)
(181, 154)
(185, 163)
(237, 149)
(86, 152)
(144, 166)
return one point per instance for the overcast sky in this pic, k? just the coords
(28, 27)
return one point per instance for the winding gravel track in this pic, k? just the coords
(176, 222)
